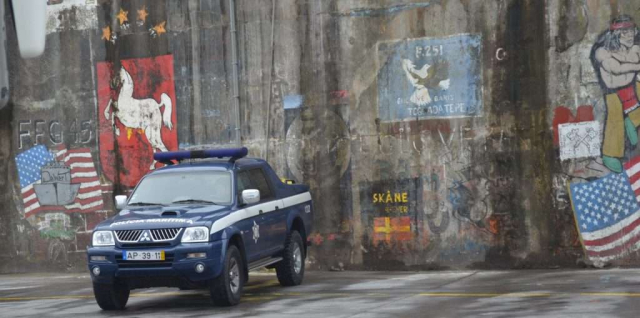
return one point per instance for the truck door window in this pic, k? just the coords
(243, 183)
(259, 181)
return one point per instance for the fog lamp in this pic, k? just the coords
(199, 268)
(96, 271)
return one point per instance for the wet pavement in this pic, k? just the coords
(532, 293)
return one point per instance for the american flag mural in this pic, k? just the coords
(608, 214)
(64, 180)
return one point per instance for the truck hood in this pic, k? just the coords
(151, 217)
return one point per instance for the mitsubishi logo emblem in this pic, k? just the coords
(145, 237)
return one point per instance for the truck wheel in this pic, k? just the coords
(226, 289)
(111, 296)
(290, 269)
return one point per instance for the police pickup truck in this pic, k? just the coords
(201, 224)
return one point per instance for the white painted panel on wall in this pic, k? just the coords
(580, 140)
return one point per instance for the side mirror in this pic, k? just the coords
(30, 20)
(30, 17)
(250, 196)
(121, 201)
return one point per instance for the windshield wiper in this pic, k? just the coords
(145, 203)
(195, 201)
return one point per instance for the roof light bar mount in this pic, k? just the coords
(232, 153)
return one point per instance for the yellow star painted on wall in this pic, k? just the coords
(106, 33)
(160, 28)
(122, 16)
(142, 14)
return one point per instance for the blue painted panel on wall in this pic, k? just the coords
(430, 78)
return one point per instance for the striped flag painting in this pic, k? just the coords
(608, 214)
(64, 180)
(387, 229)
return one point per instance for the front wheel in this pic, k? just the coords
(111, 296)
(290, 269)
(226, 289)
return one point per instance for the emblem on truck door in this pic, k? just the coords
(256, 231)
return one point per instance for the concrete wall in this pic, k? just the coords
(427, 130)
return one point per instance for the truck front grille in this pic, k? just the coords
(165, 234)
(128, 235)
(158, 235)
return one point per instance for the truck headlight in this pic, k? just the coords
(103, 238)
(195, 234)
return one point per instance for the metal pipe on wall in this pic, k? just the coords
(234, 56)
(273, 49)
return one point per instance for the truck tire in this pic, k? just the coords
(226, 289)
(111, 296)
(290, 269)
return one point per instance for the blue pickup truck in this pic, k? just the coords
(203, 221)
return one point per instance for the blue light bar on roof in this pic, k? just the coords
(233, 153)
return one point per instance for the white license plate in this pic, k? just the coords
(143, 255)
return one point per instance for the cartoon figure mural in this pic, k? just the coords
(616, 59)
(137, 116)
(607, 209)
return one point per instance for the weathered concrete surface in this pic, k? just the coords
(555, 293)
(427, 130)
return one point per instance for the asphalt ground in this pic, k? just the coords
(522, 293)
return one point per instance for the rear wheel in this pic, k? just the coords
(290, 270)
(226, 289)
(111, 296)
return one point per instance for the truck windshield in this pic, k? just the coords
(180, 187)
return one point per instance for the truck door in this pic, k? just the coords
(252, 225)
(271, 207)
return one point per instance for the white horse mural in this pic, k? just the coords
(140, 113)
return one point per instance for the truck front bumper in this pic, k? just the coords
(175, 271)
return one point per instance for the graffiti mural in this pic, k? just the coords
(61, 198)
(32, 132)
(430, 78)
(563, 115)
(388, 206)
(137, 115)
(616, 59)
(389, 197)
(608, 214)
(605, 206)
(387, 229)
(580, 140)
(65, 181)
